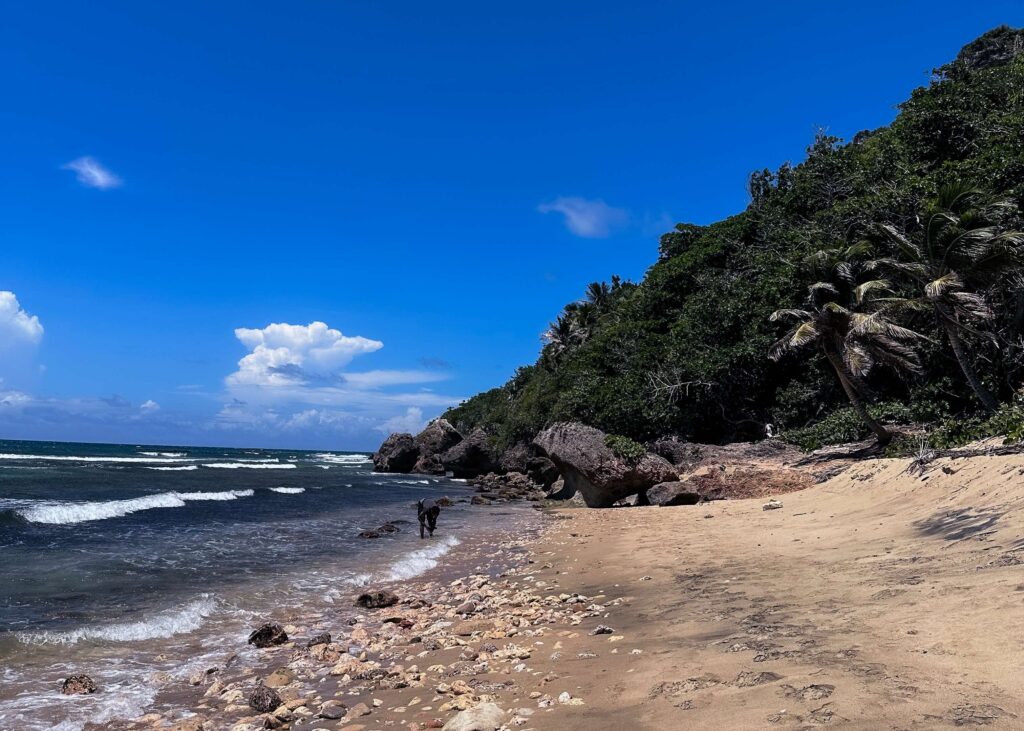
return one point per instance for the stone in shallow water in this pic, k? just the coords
(78, 685)
(268, 635)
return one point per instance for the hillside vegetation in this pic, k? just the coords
(905, 236)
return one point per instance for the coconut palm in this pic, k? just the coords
(958, 250)
(848, 321)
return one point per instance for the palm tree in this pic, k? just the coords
(598, 294)
(959, 244)
(848, 322)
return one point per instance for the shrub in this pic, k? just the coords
(625, 448)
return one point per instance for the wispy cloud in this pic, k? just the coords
(90, 173)
(591, 219)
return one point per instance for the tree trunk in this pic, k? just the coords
(986, 398)
(881, 433)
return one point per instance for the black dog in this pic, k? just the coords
(428, 511)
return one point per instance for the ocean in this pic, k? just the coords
(131, 563)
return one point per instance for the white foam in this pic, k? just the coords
(67, 458)
(56, 513)
(342, 458)
(165, 624)
(185, 468)
(229, 495)
(421, 561)
(163, 454)
(288, 490)
(249, 465)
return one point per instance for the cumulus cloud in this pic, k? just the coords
(90, 173)
(411, 421)
(591, 219)
(149, 406)
(288, 355)
(16, 325)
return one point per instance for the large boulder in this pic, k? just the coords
(472, 457)
(398, 453)
(516, 458)
(438, 437)
(591, 468)
(680, 453)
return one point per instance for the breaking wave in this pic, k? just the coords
(288, 490)
(56, 513)
(249, 465)
(165, 624)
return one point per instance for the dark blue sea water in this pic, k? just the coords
(124, 560)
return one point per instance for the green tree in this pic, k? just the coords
(848, 321)
(958, 249)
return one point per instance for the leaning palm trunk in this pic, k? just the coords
(881, 433)
(983, 394)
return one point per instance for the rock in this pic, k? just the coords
(680, 453)
(268, 635)
(264, 699)
(324, 638)
(377, 599)
(772, 504)
(471, 457)
(542, 471)
(484, 717)
(369, 534)
(359, 709)
(398, 453)
(279, 678)
(467, 607)
(602, 630)
(438, 437)
(516, 458)
(333, 710)
(78, 685)
(591, 468)
(684, 492)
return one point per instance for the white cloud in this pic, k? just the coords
(16, 325)
(90, 173)
(591, 219)
(149, 406)
(411, 421)
(288, 355)
(14, 399)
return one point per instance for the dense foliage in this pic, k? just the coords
(685, 350)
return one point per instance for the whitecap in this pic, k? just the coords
(184, 468)
(57, 513)
(163, 454)
(288, 490)
(74, 458)
(350, 459)
(249, 465)
(162, 625)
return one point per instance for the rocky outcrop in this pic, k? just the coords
(471, 457)
(78, 685)
(432, 442)
(268, 635)
(509, 486)
(680, 453)
(685, 492)
(398, 453)
(591, 468)
(542, 471)
(516, 458)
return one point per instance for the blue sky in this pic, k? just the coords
(432, 181)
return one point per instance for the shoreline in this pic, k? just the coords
(882, 598)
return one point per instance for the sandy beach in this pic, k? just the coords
(883, 598)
